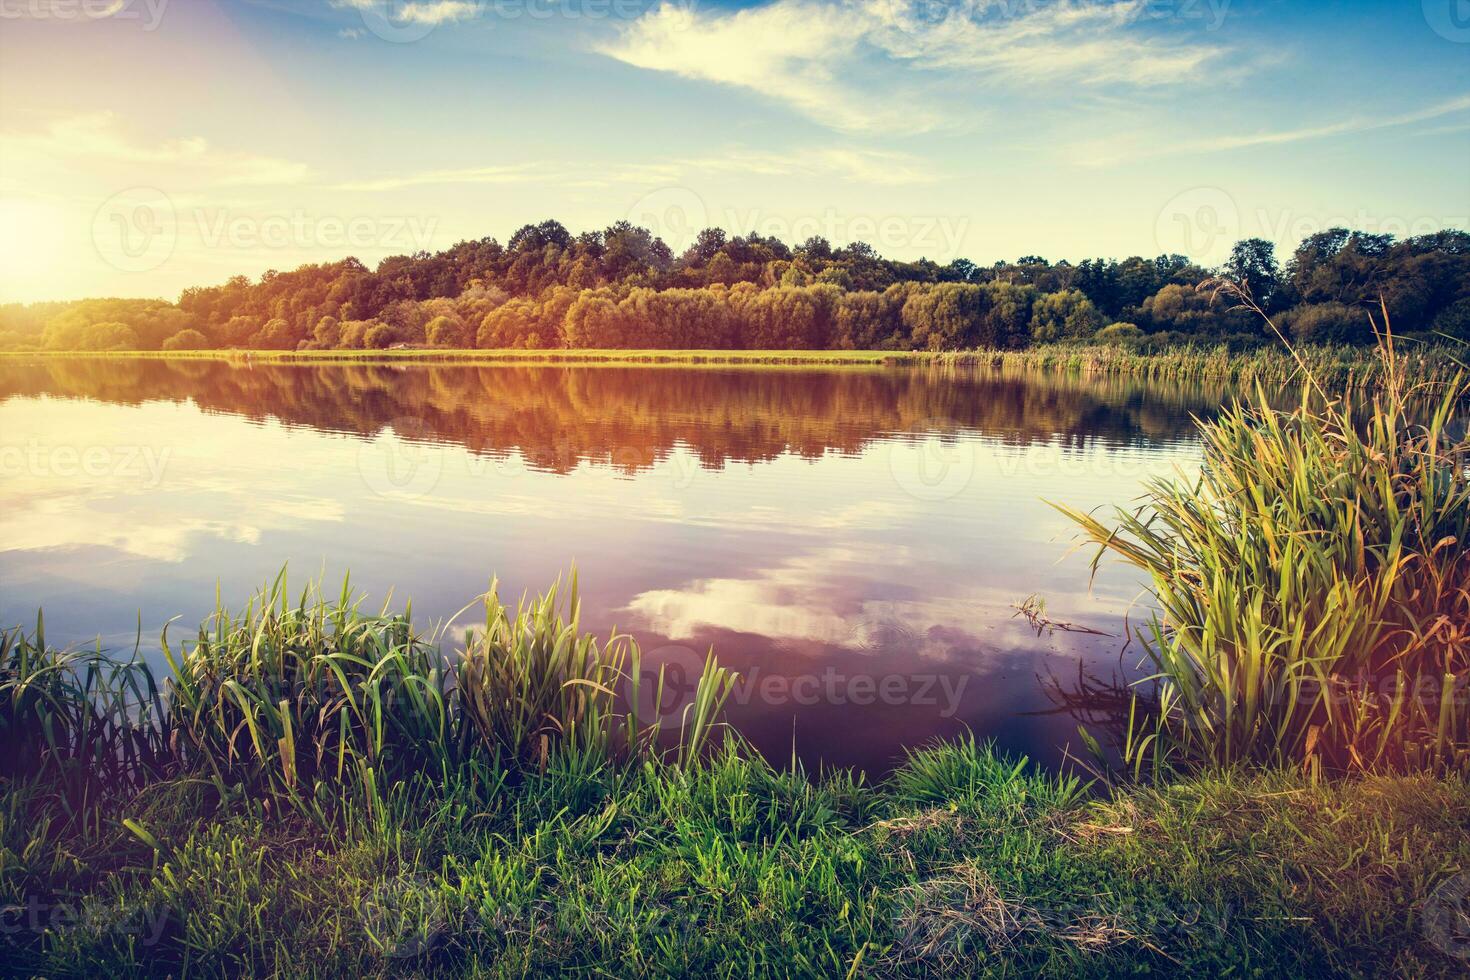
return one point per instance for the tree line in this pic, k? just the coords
(623, 287)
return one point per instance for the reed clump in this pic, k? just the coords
(84, 722)
(309, 701)
(1312, 588)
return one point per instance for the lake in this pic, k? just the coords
(853, 540)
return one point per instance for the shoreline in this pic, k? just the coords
(1341, 367)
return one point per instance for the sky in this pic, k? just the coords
(151, 145)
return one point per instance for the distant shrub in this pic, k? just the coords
(109, 336)
(189, 339)
(1328, 323)
(379, 336)
(353, 333)
(445, 332)
(1119, 333)
(1455, 320)
(277, 334)
(327, 333)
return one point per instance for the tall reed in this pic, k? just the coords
(85, 721)
(532, 681)
(1312, 587)
(305, 702)
(287, 696)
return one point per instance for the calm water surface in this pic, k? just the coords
(851, 539)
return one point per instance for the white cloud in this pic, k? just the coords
(98, 137)
(473, 175)
(850, 164)
(1118, 149)
(870, 65)
(438, 12)
(1361, 124)
(863, 166)
(432, 12)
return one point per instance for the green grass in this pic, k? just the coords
(960, 864)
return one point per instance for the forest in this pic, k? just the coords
(623, 287)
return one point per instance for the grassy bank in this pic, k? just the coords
(316, 788)
(1339, 367)
(960, 864)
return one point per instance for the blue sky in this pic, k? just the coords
(147, 145)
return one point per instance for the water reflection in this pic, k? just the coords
(852, 539)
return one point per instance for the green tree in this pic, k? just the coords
(1253, 263)
(444, 331)
(1064, 315)
(277, 334)
(1119, 333)
(109, 336)
(187, 339)
(327, 332)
